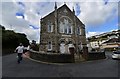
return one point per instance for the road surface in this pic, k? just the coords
(27, 68)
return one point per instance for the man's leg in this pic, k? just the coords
(18, 58)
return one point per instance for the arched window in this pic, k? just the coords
(65, 26)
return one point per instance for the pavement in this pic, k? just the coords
(28, 68)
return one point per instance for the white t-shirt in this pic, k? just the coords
(20, 49)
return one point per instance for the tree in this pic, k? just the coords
(10, 39)
(34, 46)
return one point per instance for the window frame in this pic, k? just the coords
(79, 30)
(66, 28)
(49, 26)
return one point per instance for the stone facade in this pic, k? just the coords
(61, 28)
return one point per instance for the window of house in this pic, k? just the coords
(61, 27)
(69, 29)
(50, 27)
(65, 29)
(79, 31)
(49, 45)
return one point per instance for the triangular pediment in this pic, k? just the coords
(66, 9)
(63, 9)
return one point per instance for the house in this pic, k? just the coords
(111, 44)
(61, 29)
(109, 40)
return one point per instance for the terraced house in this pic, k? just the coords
(61, 29)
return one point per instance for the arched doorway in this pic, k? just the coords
(65, 44)
(70, 45)
(62, 47)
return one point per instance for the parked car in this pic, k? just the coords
(116, 54)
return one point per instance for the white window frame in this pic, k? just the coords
(61, 27)
(50, 27)
(64, 27)
(70, 26)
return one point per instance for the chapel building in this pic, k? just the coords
(61, 29)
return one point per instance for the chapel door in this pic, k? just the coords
(62, 48)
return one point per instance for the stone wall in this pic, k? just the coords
(52, 57)
(96, 55)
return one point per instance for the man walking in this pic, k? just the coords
(19, 51)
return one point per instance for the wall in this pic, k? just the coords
(96, 55)
(52, 57)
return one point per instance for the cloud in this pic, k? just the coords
(59, 0)
(20, 15)
(9, 12)
(77, 9)
(24, 17)
(106, 1)
(96, 13)
(90, 12)
(118, 25)
(21, 4)
(34, 27)
(32, 34)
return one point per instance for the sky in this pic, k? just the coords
(23, 16)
